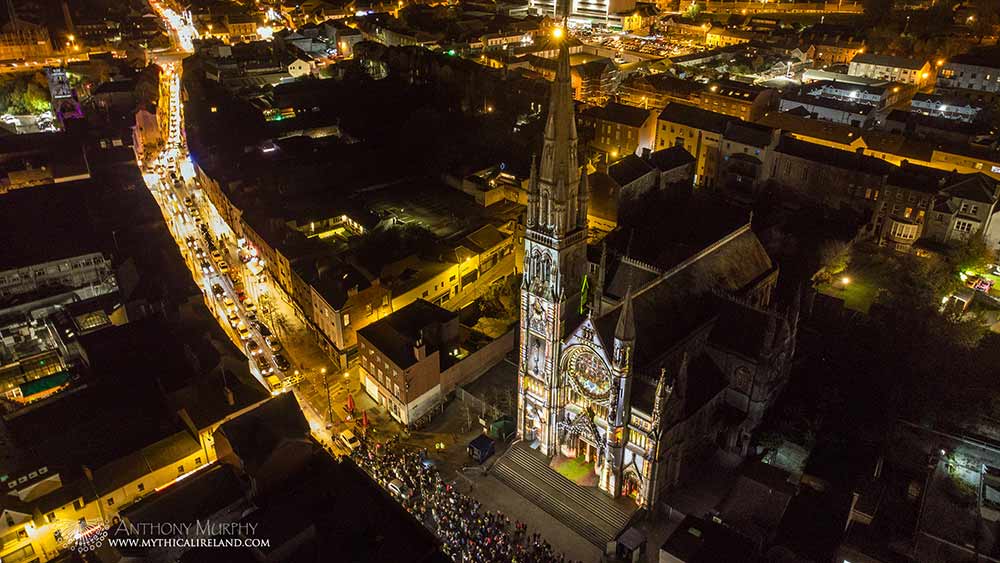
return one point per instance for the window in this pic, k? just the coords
(111, 502)
(965, 207)
(395, 389)
(77, 504)
(369, 310)
(50, 517)
(908, 212)
(180, 469)
(141, 487)
(424, 294)
(974, 209)
(347, 319)
(452, 278)
(197, 461)
(963, 226)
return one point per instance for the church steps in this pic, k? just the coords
(572, 517)
(590, 499)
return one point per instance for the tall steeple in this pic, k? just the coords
(559, 206)
(555, 263)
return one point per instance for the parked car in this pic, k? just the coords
(399, 488)
(217, 290)
(234, 319)
(206, 268)
(350, 440)
(281, 362)
(243, 331)
(263, 366)
(273, 343)
(253, 348)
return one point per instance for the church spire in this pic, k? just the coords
(558, 170)
(625, 330)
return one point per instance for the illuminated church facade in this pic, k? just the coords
(639, 364)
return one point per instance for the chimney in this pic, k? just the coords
(419, 349)
(230, 398)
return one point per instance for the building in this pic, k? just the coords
(737, 99)
(891, 69)
(827, 176)
(39, 159)
(833, 44)
(600, 12)
(640, 20)
(655, 91)
(698, 131)
(403, 356)
(747, 151)
(974, 75)
(965, 206)
(675, 165)
(619, 130)
(628, 381)
(827, 109)
(719, 36)
(21, 40)
(948, 107)
(878, 95)
(701, 541)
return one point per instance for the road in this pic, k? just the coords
(249, 305)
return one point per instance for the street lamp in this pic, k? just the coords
(329, 401)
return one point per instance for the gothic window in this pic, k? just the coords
(587, 374)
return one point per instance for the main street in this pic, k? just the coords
(251, 308)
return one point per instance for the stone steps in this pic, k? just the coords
(570, 516)
(591, 499)
(583, 510)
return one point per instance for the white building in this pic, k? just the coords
(887, 67)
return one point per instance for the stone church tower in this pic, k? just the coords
(555, 263)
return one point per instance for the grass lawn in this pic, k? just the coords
(857, 295)
(574, 469)
(869, 271)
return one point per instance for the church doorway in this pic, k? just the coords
(632, 485)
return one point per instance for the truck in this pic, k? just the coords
(274, 384)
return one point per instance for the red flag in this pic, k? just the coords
(350, 403)
(364, 419)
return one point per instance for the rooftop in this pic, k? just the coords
(397, 335)
(697, 118)
(888, 60)
(670, 158)
(703, 541)
(629, 169)
(618, 113)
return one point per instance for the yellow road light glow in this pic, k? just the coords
(557, 32)
(845, 280)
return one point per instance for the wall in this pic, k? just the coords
(477, 363)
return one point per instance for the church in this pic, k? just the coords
(640, 354)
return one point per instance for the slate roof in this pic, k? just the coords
(670, 158)
(669, 310)
(748, 133)
(618, 113)
(396, 334)
(127, 469)
(695, 117)
(255, 435)
(974, 187)
(888, 60)
(628, 170)
(703, 541)
(829, 156)
(743, 330)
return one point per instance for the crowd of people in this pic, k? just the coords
(468, 533)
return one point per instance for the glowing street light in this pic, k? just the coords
(845, 281)
(557, 32)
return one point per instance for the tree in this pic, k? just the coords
(834, 256)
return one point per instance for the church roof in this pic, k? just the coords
(671, 309)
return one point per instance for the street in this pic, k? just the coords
(249, 305)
